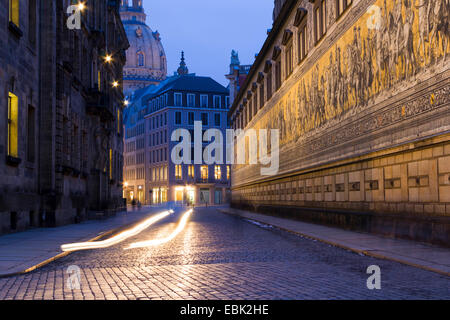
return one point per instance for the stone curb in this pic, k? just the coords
(338, 245)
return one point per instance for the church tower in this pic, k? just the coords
(146, 59)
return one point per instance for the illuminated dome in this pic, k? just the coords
(146, 59)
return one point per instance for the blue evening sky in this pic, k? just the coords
(207, 31)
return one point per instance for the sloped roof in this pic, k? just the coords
(193, 83)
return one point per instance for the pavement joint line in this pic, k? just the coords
(338, 245)
(64, 254)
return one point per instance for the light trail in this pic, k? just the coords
(118, 238)
(150, 243)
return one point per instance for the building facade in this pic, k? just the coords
(61, 134)
(146, 60)
(177, 103)
(359, 91)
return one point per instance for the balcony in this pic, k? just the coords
(99, 104)
(210, 181)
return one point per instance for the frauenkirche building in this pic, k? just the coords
(360, 92)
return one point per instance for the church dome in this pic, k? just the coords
(146, 60)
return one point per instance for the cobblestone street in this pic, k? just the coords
(223, 257)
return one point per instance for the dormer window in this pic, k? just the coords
(178, 99)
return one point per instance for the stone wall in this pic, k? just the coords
(364, 118)
(77, 160)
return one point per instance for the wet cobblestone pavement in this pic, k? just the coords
(223, 257)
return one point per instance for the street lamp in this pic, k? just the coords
(108, 58)
(81, 6)
(115, 84)
(126, 102)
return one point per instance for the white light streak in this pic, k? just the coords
(150, 243)
(118, 238)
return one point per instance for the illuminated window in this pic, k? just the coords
(178, 172)
(342, 5)
(99, 80)
(217, 173)
(14, 11)
(191, 171)
(228, 172)
(13, 117)
(204, 172)
(118, 121)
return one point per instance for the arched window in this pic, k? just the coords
(140, 59)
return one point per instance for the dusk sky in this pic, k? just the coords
(207, 31)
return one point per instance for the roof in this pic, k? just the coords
(188, 82)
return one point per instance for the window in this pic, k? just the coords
(320, 20)
(99, 80)
(289, 64)
(119, 122)
(228, 172)
(190, 118)
(110, 164)
(178, 117)
(217, 173)
(278, 73)
(32, 22)
(217, 119)
(13, 118)
(204, 119)
(217, 102)
(204, 172)
(14, 12)
(261, 95)
(191, 100)
(178, 172)
(191, 172)
(302, 42)
(255, 102)
(342, 5)
(227, 102)
(178, 99)
(204, 101)
(269, 84)
(140, 58)
(31, 134)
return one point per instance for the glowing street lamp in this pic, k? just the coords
(126, 102)
(81, 6)
(108, 58)
(115, 84)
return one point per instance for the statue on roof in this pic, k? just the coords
(235, 58)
